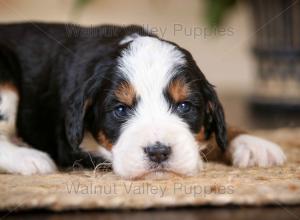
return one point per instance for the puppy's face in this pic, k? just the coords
(155, 111)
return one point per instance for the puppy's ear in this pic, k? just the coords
(74, 118)
(214, 121)
(76, 103)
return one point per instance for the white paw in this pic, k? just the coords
(246, 150)
(27, 161)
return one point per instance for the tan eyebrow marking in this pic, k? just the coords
(178, 90)
(126, 93)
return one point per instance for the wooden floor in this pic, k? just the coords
(239, 114)
(204, 213)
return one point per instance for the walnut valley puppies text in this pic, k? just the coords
(189, 31)
(146, 189)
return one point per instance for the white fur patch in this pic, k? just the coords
(23, 160)
(13, 158)
(149, 64)
(246, 150)
(129, 38)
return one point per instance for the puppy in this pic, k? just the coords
(142, 100)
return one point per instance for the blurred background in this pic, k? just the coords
(248, 49)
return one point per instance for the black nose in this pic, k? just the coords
(158, 152)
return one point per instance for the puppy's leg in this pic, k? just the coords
(13, 157)
(246, 150)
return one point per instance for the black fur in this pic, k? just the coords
(65, 81)
(211, 116)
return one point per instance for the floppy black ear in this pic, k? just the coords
(76, 102)
(79, 95)
(214, 116)
(74, 118)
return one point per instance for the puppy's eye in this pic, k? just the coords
(183, 107)
(121, 111)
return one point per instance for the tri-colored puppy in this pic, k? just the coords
(142, 99)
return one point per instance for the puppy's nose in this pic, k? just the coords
(158, 152)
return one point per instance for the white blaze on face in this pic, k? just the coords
(149, 64)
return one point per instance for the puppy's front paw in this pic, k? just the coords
(246, 150)
(28, 161)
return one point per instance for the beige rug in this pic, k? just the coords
(217, 185)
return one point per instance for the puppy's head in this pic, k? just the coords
(151, 111)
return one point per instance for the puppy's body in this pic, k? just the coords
(143, 100)
(45, 66)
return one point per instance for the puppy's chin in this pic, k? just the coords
(158, 175)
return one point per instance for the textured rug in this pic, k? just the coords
(217, 185)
